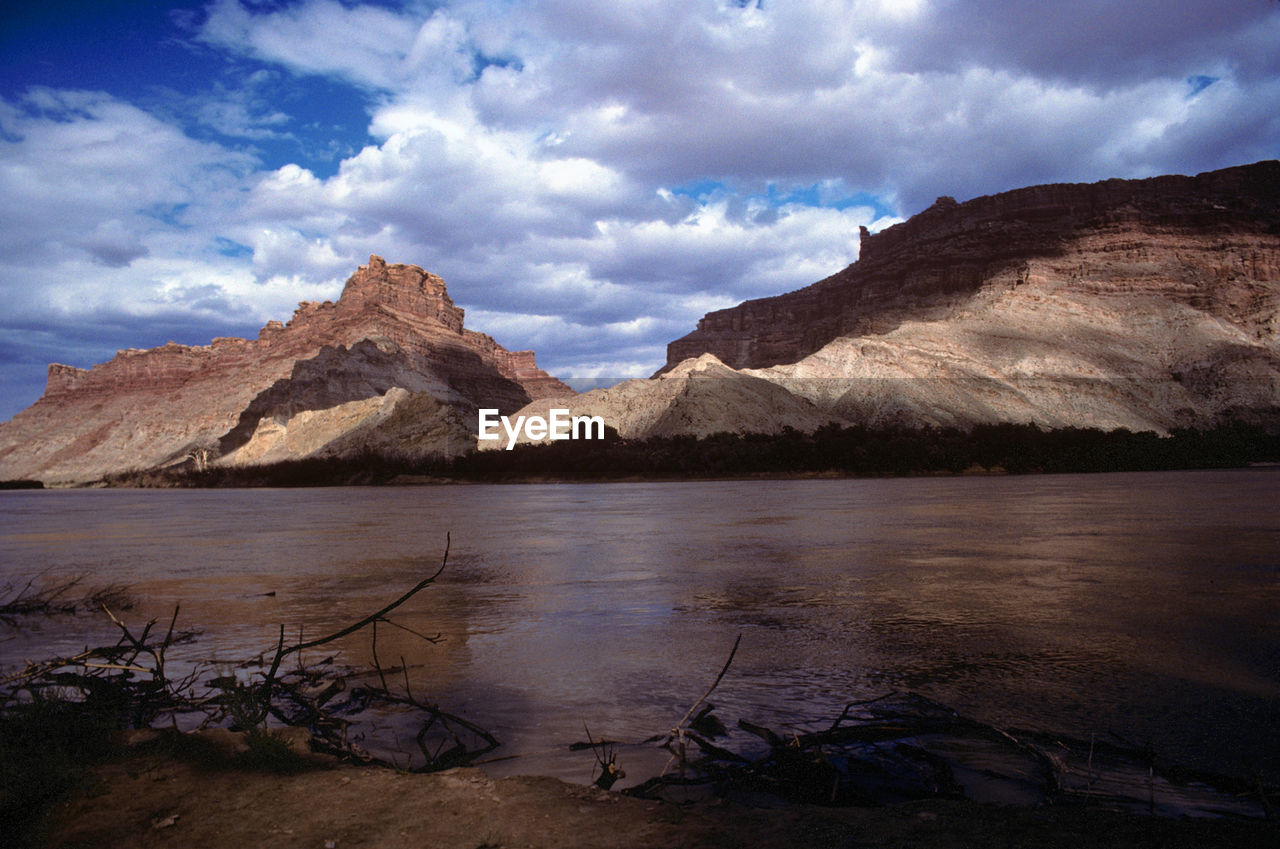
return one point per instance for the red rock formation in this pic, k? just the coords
(1211, 241)
(144, 407)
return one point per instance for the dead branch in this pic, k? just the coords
(607, 760)
(281, 653)
(131, 677)
(675, 741)
(714, 684)
(36, 597)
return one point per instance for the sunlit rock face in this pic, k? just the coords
(388, 367)
(699, 397)
(1147, 304)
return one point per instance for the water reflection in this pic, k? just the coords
(1139, 605)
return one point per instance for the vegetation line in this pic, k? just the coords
(832, 450)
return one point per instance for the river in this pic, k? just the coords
(1142, 607)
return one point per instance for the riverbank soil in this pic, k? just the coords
(162, 799)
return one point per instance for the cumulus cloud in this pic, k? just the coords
(368, 45)
(590, 178)
(84, 169)
(1093, 42)
(241, 113)
(113, 244)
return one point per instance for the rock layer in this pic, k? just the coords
(394, 336)
(1211, 241)
(1146, 304)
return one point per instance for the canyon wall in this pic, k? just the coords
(1211, 241)
(1140, 304)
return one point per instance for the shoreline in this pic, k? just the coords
(828, 452)
(146, 799)
(410, 480)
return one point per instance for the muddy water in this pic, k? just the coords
(1144, 607)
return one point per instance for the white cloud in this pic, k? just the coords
(83, 170)
(288, 254)
(242, 113)
(113, 244)
(367, 45)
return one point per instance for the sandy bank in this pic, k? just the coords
(159, 800)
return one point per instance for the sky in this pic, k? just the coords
(588, 177)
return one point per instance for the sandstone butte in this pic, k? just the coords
(1145, 304)
(388, 367)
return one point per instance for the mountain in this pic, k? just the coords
(1143, 304)
(700, 396)
(388, 367)
(1209, 242)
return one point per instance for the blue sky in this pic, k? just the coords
(588, 178)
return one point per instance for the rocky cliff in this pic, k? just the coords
(1211, 242)
(1146, 304)
(1142, 304)
(389, 366)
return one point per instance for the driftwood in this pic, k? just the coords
(131, 680)
(679, 737)
(873, 753)
(39, 598)
(606, 759)
(900, 747)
